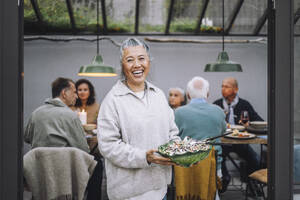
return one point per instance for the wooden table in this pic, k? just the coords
(256, 140)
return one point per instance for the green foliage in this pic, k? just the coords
(55, 13)
(55, 18)
(182, 25)
(29, 14)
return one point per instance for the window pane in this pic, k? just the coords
(213, 15)
(85, 15)
(185, 15)
(264, 29)
(153, 16)
(120, 15)
(55, 14)
(29, 15)
(250, 13)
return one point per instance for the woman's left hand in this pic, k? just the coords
(153, 158)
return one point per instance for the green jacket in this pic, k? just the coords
(54, 124)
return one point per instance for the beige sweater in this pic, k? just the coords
(92, 112)
(127, 128)
(57, 173)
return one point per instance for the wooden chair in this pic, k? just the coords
(257, 180)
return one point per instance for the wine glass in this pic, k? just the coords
(244, 117)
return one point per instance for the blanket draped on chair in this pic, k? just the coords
(57, 173)
(197, 182)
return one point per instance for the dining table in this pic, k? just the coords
(257, 140)
(260, 139)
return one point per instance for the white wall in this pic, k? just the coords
(174, 64)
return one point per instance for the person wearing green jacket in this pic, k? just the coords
(54, 124)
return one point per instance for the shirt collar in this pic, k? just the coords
(198, 100)
(234, 101)
(121, 89)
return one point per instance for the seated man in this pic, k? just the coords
(176, 97)
(200, 119)
(54, 124)
(233, 105)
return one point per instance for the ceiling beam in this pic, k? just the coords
(71, 15)
(233, 15)
(261, 21)
(103, 10)
(169, 17)
(137, 15)
(297, 16)
(201, 16)
(37, 11)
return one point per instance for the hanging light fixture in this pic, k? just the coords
(223, 63)
(97, 68)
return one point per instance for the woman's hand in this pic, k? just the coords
(152, 158)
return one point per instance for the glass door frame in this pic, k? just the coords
(280, 99)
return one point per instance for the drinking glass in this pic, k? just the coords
(244, 117)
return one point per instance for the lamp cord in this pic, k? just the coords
(223, 25)
(98, 27)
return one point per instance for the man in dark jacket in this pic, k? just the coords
(233, 106)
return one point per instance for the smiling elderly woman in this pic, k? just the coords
(133, 121)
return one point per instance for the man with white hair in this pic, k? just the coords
(176, 97)
(200, 119)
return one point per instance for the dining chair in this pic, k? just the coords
(57, 172)
(198, 181)
(256, 182)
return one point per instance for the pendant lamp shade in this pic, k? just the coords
(223, 64)
(97, 69)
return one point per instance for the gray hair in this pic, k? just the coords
(177, 89)
(132, 42)
(198, 87)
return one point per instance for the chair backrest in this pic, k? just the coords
(57, 172)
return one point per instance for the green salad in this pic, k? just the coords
(185, 152)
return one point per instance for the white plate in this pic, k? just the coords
(250, 136)
(89, 127)
(258, 124)
(238, 127)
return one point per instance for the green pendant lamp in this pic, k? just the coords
(223, 63)
(97, 68)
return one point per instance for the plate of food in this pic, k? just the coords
(240, 135)
(185, 152)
